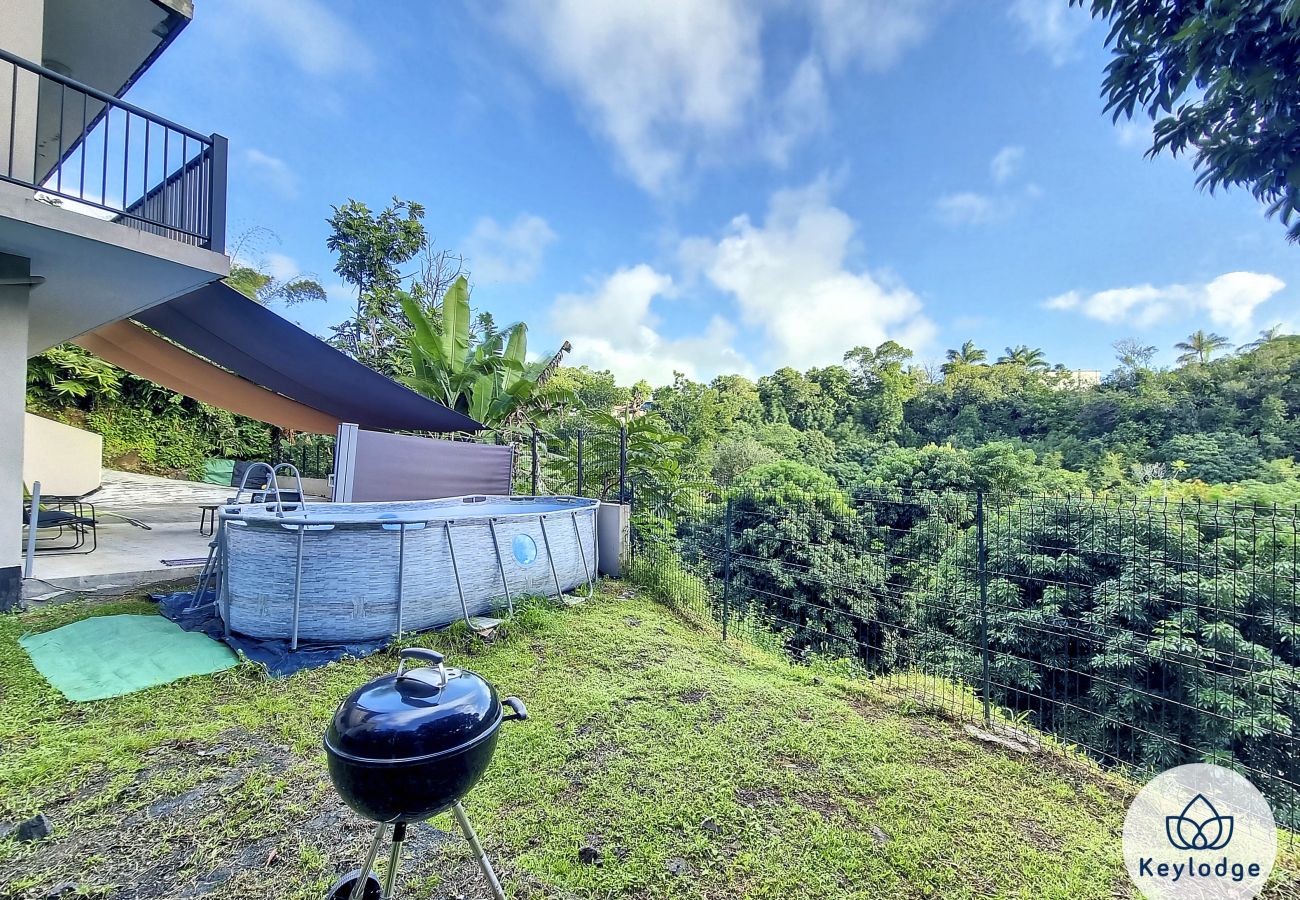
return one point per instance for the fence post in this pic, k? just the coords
(579, 462)
(622, 463)
(982, 557)
(726, 569)
(631, 538)
(536, 473)
(33, 520)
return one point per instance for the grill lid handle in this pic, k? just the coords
(432, 657)
(519, 711)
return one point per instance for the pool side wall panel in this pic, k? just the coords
(349, 587)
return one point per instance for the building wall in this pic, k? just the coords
(66, 461)
(21, 27)
(13, 382)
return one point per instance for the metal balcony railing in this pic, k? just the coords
(86, 150)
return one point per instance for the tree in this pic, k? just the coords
(1133, 354)
(968, 355)
(370, 248)
(1031, 358)
(1216, 458)
(883, 385)
(1200, 346)
(735, 456)
(249, 275)
(1271, 333)
(489, 380)
(1221, 77)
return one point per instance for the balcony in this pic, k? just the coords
(85, 150)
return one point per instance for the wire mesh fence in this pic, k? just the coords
(311, 454)
(1146, 634)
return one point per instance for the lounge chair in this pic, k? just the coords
(66, 516)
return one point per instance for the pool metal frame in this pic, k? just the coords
(302, 521)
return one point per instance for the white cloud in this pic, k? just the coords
(970, 208)
(874, 34)
(1134, 132)
(1006, 163)
(800, 111)
(1050, 26)
(791, 278)
(281, 267)
(982, 208)
(273, 171)
(306, 32)
(508, 253)
(615, 327)
(1229, 301)
(674, 85)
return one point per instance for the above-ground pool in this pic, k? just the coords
(339, 572)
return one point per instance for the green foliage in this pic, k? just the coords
(1200, 346)
(595, 391)
(67, 374)
(1218, 457)
(266, 289)
(654, 469)
(786, 482)
(735, 456)
(145, 428)
(489, 379)
(1219, 78)
(370, 248)
(1153, 635)
(162, 443)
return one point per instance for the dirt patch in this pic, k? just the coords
(794, 764)
(158, 841)
(826, 805)
(758, 798)
(1039, 836)
(693, 696)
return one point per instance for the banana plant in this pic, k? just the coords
(490, 380)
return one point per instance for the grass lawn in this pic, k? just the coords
(697, 769)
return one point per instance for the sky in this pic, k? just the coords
(730, 187)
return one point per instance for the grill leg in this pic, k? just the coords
(394, 859)
(479, 856)
(359, 890)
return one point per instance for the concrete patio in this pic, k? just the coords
(129, 556)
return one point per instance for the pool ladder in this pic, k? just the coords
(210, 576)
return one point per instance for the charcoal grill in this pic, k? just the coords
(407, 746)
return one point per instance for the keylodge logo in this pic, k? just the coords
(1199, 826)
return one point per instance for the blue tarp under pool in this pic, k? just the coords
(182, 608)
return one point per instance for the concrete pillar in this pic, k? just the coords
(13, 388)
(22, 24)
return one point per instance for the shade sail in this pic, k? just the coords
(223, 325)
(145, 354)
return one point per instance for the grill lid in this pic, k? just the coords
(414, 713)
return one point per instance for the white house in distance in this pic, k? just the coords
(105, 208)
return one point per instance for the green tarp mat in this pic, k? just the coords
(108, 656)
(218, 471)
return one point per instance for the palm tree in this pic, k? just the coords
(1031, 358)
(968, 355)
(1200, 346)
(1266, 336)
